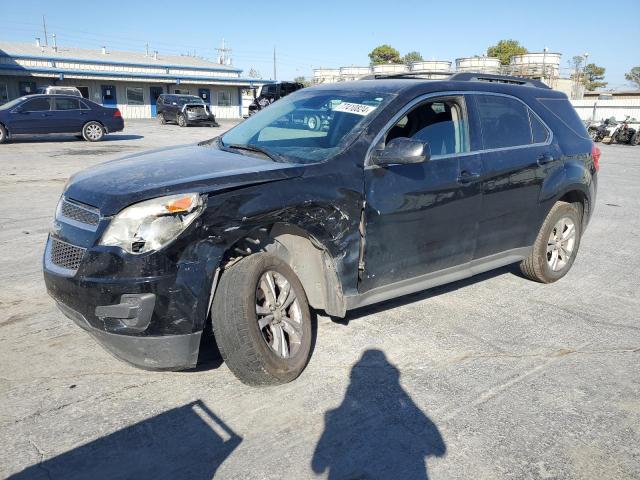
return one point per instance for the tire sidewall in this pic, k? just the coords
(563, 210)
(3, 134)
(161, 119)
(84, 132)
(284, 370)
(182, 122)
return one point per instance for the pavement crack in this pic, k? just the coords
(41, 461)
(554, 354)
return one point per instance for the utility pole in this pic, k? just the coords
(275, 77)
(44, 26)
(222, 57)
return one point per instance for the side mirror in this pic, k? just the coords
(402, 150)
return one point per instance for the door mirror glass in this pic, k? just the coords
(402, 150)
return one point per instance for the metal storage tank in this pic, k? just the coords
(478, 64)
(390, 68)
(544, 64)
(326, 75)
(431, 66)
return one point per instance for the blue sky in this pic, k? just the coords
(336, 33)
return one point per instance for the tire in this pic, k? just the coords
(314, 123)
(539, 266)
(181, 120)
(243, 345)
(93, 132)
(161, 119)
(635, 140)
(593, 133)
(3, 134)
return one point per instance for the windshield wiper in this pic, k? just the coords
(253, 148)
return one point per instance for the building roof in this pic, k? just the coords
(595, 93)
(28, 50)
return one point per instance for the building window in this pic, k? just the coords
(224, 98)
(4, 93)
(84, 91)
(135, 96)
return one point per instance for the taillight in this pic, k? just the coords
(595, 153)
(116, 113)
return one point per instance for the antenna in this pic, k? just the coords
(275, 77)
(44, 26)
(223, 59)
(147, 49)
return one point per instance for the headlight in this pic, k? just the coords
(152, 224)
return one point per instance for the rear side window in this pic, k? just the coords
(67, 104)
(37, 105)
(504, 121)
(562, 109)
(538, 130)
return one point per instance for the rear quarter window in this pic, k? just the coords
(563, 110)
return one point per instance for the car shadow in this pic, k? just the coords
(111, 137)
(377, 431)
(426, 294)
(185, 442)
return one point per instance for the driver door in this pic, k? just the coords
(422, 217)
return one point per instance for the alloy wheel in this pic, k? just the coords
(94, 131)
(561, 244)
(279, 314)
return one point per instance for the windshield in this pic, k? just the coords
(194, 99)
(308, 126)
(12, 103)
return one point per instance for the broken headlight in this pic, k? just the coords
(152, 224)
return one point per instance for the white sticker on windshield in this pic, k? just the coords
(357, 108)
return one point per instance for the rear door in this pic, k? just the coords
(66, 116)
(517, 157)
(109, 98)
(33, 116)
(421, 218)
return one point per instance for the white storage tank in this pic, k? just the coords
(353, 73)
(390, 68)
(326, 75)
(478, 64)
(545, 64)
(431, 66)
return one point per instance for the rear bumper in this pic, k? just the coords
(169, 352)
(115, 125)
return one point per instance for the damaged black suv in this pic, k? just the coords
(409, 184)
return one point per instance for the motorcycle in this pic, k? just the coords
(626, 132)
(599, 132)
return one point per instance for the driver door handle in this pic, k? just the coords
(466, 177)
(545, 158)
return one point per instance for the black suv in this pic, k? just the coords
(414, 183)
(271, 92)
(185, 110)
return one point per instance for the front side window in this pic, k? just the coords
(308, 126)
(504, 122)
(135, 96)
(439, 122)
(41, 104)
(67, 104)
(4, 94)
(224, 98)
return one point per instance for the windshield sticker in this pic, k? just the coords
(357, 108)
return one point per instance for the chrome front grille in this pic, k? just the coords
(65, 255)
(79, 213)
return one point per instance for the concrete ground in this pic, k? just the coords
(493, 377)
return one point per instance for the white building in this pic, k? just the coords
(131, 81)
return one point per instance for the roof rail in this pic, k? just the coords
(492, 78)
(380, 76)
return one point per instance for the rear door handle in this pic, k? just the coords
(545, 158)
(467, 177)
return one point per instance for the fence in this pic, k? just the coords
(600, 109)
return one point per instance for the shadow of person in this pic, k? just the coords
(377, 432)
(187, 442)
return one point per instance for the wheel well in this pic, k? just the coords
(308, 258)
(576, 196)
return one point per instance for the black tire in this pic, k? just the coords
(3, 134)
(635, 140)
(93, 132)
(161, 119)
(314, 123)
(182, 122)
(235, 323)
(536, 267)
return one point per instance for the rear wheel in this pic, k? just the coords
(161, 119)
(181, 120)
(635, 140)
(93, 132)
(3, 134)
(557, 244)
(261, 321)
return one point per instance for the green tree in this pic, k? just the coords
(593, 77)
(303, 80)
(411, 57)
(384, 54)
(505, 49)
(634, 76)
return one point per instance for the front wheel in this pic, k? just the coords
(261, 321)
(635, 140)
(557, 244)
(93, 132)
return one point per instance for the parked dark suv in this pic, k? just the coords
(271, 92)
(413, 184)
(185, 110)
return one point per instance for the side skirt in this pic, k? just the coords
(435, 279)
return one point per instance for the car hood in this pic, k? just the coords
(114, 185)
